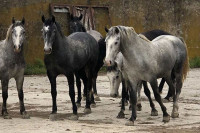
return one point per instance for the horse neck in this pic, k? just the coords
(60, 44)
(134, 50)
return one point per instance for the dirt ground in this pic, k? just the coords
(103, 117)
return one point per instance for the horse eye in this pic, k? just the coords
(115, 43)
(117, 77)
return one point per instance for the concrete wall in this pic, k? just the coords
(179, 17)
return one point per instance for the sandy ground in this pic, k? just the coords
(103, 117)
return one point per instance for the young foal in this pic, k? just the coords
(12, 64)
(166, 56)
(77, 53)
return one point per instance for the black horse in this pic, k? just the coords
(75, 25)
(77, 53)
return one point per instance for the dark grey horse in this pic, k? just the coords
(77, 53)
(12, 64)
(75, 25)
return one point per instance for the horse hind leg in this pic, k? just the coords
(19, 83)
(4, 84)
(154, 112)
(154, 85)
(96, 97)
(139, 105)
(78, 85)
(179, 84)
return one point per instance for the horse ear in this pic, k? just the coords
(53, 19)
(81, 16)
(13, 20)
(43, 18)
(23, 20)
(116, 30)
(71, 17)
(106, 29)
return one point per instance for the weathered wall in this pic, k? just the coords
(179, 17)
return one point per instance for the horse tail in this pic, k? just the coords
(186, 62)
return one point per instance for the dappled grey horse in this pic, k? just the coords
(165, 57)
(114, 74)
(77, 53)
(12, 64)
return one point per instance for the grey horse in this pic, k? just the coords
(12, 64)
(164, 57)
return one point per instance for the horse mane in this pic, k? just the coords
(59, 29)
(143, 37)
(8, 34)
(126, 33)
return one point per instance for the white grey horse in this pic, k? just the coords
(12, 64)
(165, 57)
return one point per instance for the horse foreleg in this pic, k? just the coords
(70, 79)
(154, 112)
(19, 83)
(154, 85)
(124, 93)
(4, 84)
(52, 79)
(132, 87)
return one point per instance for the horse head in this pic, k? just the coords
(75, 24)
(49, 33)
(18, 34)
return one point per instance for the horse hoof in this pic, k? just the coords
(87, 111)
(83, 97)
(78, 105)
(126, 103)
(93, 105)
(175, 115)
(73, 117)
(166, 119)
(7, 116)
(129, 123)
(121, 115)
(25, 115)
(97, 98)
(53, 117)
(154, 113)
(139, 108)
(166, 100)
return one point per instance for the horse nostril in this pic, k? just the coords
(19, 46)
(14, 46)
(110, 62)
(50, 49)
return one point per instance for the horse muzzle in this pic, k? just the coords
(108, 62)
(17, 49)
(47, 50)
